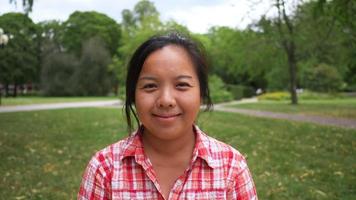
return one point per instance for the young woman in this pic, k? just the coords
(168, 157)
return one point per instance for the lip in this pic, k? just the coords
(166, 116)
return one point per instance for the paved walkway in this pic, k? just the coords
(52, 106)
(339, 122)
(331, 121)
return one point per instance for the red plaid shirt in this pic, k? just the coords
(122, 171)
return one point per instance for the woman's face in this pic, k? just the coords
(168, 93)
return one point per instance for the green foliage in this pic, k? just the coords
(57, 74)
(275, 96)
(226, 54)
(19, 63)
(65, 75)
(51, 37)
(254, 57)
(240, 91)
(236, 90)
(81, 26)
(322, 78)
(218, 91)
(311, 95)
(92, 76)
(138, 25)
(302, 95)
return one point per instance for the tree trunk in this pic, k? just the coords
(288, 42)
(15, 90)
(6, 89)
(292, 62)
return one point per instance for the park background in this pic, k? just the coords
(298, 60)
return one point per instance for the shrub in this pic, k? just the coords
(63, 74)
(218, 90)
(322, 78)
(305, 95)
(275, 96)
(57, 74)
(309, 95)
(240, 91)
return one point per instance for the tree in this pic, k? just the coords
(287, 40)
(239, 57)
(341, 15)
(322, 78)
(18, 61)
(92, 77)
(137, 26)
(63, 74)
(57, 74)
(81, 26)
(51, 37)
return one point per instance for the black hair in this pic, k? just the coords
(193, 48)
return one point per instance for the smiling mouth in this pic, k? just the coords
(167, 116)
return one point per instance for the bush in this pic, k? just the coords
(92, 77)
(309, 95)
(240, 91)
(57, 74)
(237, 91)
(275, 96)
(322, 78)
(305, 95)
(63, 74)
(218, 90)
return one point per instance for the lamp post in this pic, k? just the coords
(4, 39)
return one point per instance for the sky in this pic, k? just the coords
(197, 15)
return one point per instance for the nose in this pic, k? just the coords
(166, 99)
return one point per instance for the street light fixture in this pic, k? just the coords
(4, 39)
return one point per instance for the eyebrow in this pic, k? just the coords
(153, 78)
(184, 76)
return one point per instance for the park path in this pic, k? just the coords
(52, 106)
(331, 121)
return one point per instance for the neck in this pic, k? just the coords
(170, 148)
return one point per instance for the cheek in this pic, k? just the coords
(143, 103)
(139, 103)
(191, 101)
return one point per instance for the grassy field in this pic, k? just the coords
(43, 154)
(11, 101)
(345, 108)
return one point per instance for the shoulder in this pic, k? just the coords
(96, 180)
(103, 159)
(223, 155)
(220, 150)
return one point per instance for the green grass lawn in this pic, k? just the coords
(43, 154)
(11, 101)
(345, 108)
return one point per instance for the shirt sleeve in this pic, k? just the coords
(96, 184)
(242, 186)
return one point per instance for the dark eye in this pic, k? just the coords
(149, 87)
(183, 86)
